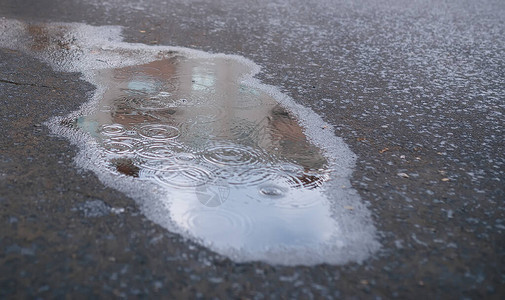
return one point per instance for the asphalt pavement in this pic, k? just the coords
(415, 88)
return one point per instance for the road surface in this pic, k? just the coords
(415, 88)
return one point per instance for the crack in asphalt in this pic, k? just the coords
(27, 84)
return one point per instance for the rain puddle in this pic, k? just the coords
(236, 165)
(206, 150)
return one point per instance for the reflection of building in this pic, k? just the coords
(128, 88)
(205, 97)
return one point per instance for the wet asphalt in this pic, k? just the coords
(416, 89)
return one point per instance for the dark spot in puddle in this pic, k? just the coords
(126, 166)
(279, 111)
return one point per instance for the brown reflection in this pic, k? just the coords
(126, 166)
(295, 145)
(43, 38)
(288, 135)
(204, 100)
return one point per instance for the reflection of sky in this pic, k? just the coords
(202, 80)
(143, 84)
(89, 125)
(251, 221)
(248, 90)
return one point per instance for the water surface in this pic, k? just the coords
(237, 168)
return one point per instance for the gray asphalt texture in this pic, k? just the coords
(416, 88)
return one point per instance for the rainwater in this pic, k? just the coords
(237, 167)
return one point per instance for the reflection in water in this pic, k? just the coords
(236, 166)
(43, 39)
(202, 153)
